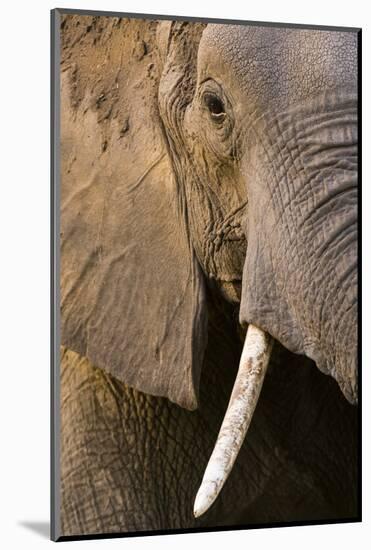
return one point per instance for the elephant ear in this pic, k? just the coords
(132, 293)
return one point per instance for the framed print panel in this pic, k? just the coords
(204, 280)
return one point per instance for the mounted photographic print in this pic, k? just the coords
(205, 260)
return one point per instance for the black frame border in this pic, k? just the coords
(55, 529)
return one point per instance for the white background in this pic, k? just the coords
(24, 272)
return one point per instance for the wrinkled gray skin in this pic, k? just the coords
(287, 145)
(260, 129)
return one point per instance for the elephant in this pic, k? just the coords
(208, 270)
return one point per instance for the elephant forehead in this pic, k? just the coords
(278, 63)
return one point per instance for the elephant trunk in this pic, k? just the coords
(333, 344)
(300, 272)
(253, 366)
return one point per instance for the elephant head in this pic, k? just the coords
(264, 135)
(250, 188)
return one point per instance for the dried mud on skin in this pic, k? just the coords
(106, 58)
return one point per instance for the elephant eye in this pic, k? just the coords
(214, 105)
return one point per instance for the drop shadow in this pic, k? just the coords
(42, 528)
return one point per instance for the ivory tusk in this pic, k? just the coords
(245, 394)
